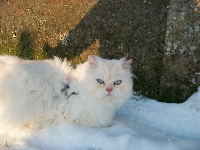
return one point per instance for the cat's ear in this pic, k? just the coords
(92, 61)
(127, 64)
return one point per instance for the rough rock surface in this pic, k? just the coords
(131, 28)
(162, 37)
(181, 63)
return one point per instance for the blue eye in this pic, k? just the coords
(118, 82)
(100, 81)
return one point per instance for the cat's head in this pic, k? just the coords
(109, 81)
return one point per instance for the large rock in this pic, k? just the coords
(29, 24)
(131, 28)
(112, 28)
(181, 64)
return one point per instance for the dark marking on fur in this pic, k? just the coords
(66, 86)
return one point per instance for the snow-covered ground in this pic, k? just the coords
(141, 124)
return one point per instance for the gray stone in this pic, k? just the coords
(131, 28)
(181, 63)
(162, 38)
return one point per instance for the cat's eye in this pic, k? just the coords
(100, 81)
(118, 82)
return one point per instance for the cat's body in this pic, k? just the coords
(29, 89)
(45, 92)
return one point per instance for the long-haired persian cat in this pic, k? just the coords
(40, 93)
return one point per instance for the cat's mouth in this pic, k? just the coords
(109, 94)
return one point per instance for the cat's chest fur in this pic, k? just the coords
(89, 112)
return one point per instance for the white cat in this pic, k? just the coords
(39, 93)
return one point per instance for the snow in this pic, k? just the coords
(140, 124)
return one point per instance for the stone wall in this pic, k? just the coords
(131, 28)
(181, 63)
(39, 22)
(162, 37)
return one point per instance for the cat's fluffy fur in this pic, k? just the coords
(34, 93)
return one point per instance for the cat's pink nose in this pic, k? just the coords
(109, 90)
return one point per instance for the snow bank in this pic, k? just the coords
(182, 120)
(141, 124)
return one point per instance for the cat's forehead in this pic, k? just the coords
(112, 64)
(110, 70)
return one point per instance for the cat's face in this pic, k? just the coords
(109, 80)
